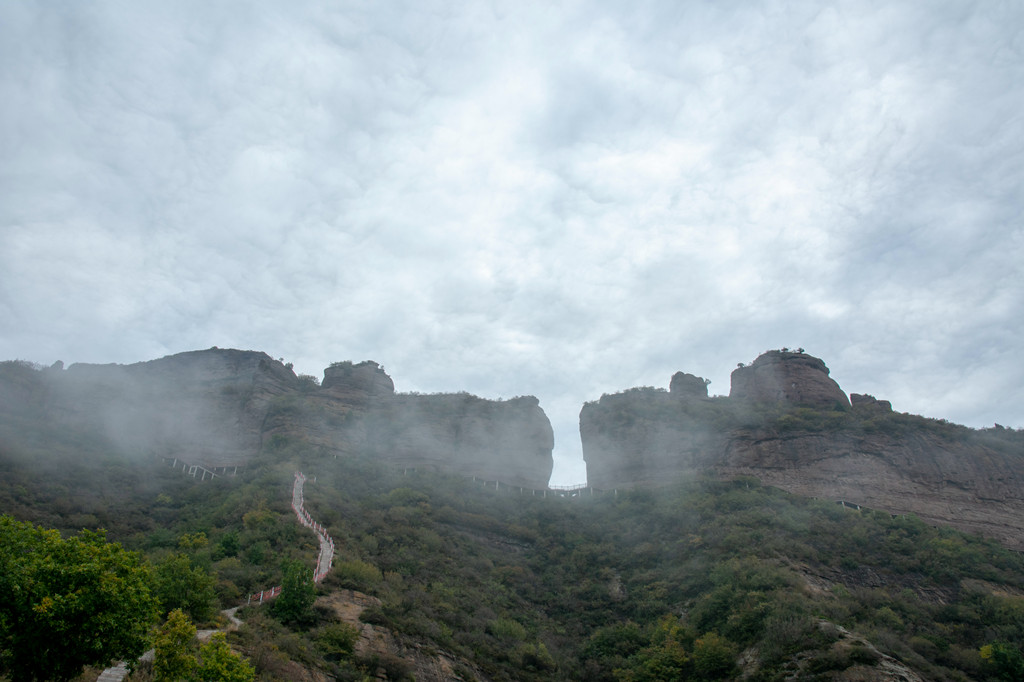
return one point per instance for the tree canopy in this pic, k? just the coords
(297, 592)
(69, 602)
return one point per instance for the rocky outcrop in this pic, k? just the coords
(688, 386)
(507, 440)
(510, 440)
(645, 436)
(204, 407)
(367, 380)
(783, 376)
(864, 400)
(219, 408)
(787, 423)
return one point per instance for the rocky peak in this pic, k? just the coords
(688, 386)
(785, 376)
(869, 401)
(366, 379)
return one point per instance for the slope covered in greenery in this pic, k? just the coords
(697, 579)
(703, 579)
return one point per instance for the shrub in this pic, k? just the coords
(357, 575)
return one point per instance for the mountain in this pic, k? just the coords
(217, 409)
(789, 424)
(677, 574)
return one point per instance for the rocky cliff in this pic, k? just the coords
(219, 408)
(356, 410)
(790, 425)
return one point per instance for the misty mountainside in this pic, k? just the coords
(785, 422)
(695, 573)
(219, 408)
(438, 578)
(789, 424)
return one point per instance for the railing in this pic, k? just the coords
(326, 557)
(565, 492)
(198, 470)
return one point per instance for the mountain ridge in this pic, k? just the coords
(789, 424)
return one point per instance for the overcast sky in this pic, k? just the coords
(516, 198)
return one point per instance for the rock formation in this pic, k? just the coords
(782, 376)
(203, 407)
(790, 425)
(219, 408)
(864, 400)
(688, 386)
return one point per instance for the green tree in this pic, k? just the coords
(1005, 660)
(297, 593)
(174, 654)
(337, 640)
(714, 657)
(218, 663)
(179, 585)
(68, 603)
(664, 659)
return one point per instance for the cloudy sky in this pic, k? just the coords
(557, 199)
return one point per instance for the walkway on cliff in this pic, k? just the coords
(324, 562)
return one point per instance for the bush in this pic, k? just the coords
(714, 657)
(337, 640)
(356, 575)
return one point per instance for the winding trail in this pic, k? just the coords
(326, 558)
(324, 562)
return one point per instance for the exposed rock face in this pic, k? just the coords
(688, 386)
(367, 379)
(509, 440)
(219, 408)
(790, 377)
(865, 455)
(643, 437)
(204, 407)
(864, 400)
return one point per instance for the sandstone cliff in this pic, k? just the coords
(790, 425)
(204, 407)
(218, 408)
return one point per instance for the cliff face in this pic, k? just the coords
(356, 410)
(204, 407)
(787, 423)
(221, 407)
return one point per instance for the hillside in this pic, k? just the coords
(789, 424)
(440, 578)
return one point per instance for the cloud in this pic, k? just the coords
(515, 198)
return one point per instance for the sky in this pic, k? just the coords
(511, 198)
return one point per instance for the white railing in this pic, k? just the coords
(326, 558)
